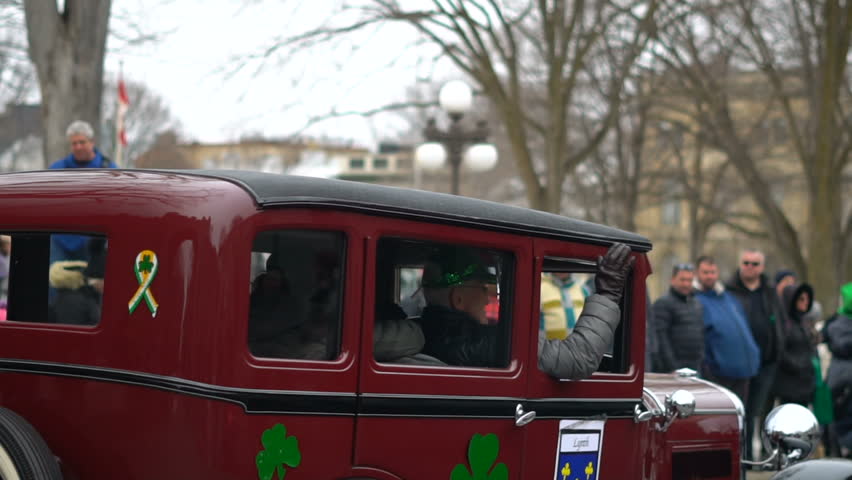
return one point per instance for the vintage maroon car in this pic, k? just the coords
(225, 325)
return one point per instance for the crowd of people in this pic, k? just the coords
(764, 338)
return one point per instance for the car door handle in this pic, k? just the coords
(521, 417)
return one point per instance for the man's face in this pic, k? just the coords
(682, 282)
(5, 244)
(82, 148)
(471, 298)
(751, 265)
(708, 275)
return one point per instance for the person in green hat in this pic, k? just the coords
(837, 334)
(456, 284)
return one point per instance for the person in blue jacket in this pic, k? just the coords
(731, 356)
(84, 154)
(81, 139)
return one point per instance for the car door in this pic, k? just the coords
(585, 429)
(418, 418)
(294, 356)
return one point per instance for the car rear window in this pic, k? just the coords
(52, 277)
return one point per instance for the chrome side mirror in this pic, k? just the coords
(791, 431)
(680, 404)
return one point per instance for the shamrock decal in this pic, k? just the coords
(279, 450)
(481, 454)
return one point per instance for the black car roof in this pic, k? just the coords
(273, 190)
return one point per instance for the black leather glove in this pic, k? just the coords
(612, 271)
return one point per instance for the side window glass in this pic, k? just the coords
(442, 304)
(52, 277)
(565, 284)
(296, 294)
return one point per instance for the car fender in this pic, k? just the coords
(824, 469)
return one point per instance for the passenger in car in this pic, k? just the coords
(455, 324)
(79, 287)
(271, 316)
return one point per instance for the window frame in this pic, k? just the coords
(342, 264)
(618, 360)
(507, 265)
(600, 385)
(378, 379)
(15, 263)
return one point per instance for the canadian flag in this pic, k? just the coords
(123, 105)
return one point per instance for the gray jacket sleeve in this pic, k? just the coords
(579, 355)
(393, 339)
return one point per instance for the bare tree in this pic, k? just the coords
(508, 47)
(16, 72)
(791, 59)
(67, 46)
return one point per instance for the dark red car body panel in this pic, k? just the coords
(179, 395)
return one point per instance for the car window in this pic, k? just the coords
(564, 285)
(442, 304)
(52, 277)
(296, 294)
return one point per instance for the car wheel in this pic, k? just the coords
(24, 455)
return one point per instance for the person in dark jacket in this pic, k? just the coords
(796, 378)
(764, 313)
(837, 333)
(679, 324)
(455, 326)
(457, 330)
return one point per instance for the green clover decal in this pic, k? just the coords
(279, 450)
(481, 454)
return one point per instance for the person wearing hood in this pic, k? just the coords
(796, 378)
(837, 334)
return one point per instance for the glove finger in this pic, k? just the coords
(617, 254)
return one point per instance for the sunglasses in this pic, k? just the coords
(683, 267)
(751, 264)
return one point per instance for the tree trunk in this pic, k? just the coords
(68, 50)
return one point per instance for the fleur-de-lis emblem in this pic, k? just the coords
(566, 470)
(589, 470)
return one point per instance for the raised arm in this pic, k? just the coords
(579, 355)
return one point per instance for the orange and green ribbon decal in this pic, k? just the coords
(145, 266)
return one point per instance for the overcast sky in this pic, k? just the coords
(201, 38)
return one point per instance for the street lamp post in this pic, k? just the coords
(449, 145)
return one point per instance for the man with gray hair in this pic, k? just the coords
(81, 138)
